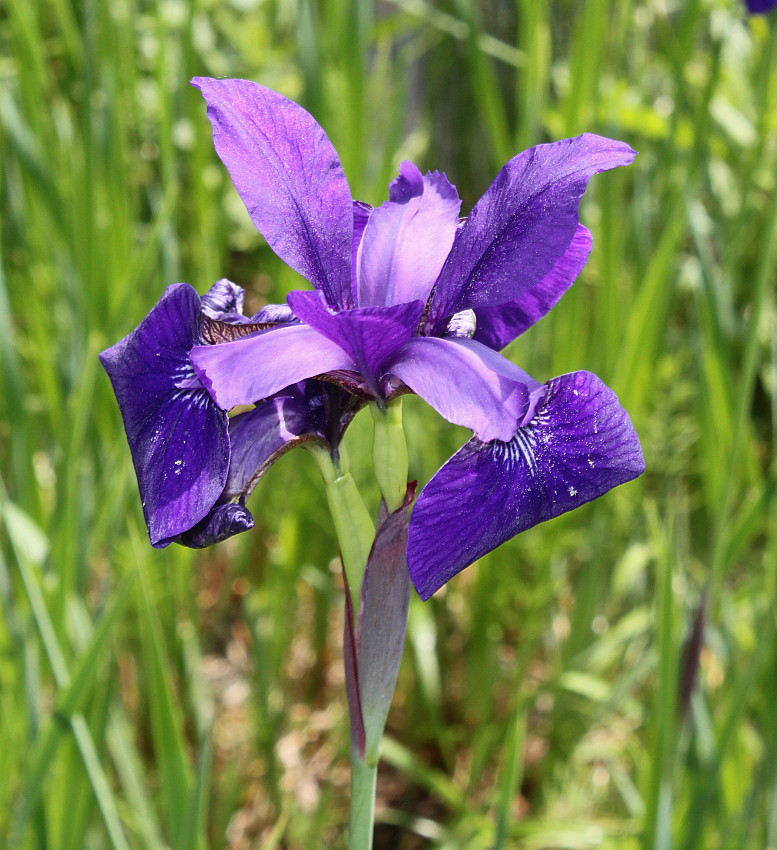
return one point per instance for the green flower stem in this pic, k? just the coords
(356, 534)
(353, 524)
(364, 777)
(389, 453)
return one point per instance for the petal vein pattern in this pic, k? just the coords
(522, 225)
(579, 444)
(177, 435)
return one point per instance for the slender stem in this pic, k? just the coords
(364, 777)
(379, 627)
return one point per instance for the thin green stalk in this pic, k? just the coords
(364, 778)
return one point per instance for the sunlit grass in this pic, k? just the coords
(152, 699)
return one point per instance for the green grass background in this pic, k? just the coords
(174, 699)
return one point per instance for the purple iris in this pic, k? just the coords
(409, 298)
(758, 7)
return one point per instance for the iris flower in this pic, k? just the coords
(408, 297)
(760, 7)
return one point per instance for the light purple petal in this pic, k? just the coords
(466, 383)
(289, 176)
(579, 444)
(523, 224)
(497, 326)
(254, 368)
(177, 435)
(407, 239)
(370, 335)
(361, 215)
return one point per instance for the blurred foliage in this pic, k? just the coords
(171, 699)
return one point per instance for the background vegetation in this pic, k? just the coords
(173, 699)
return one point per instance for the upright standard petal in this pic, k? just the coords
(289, 176)
(523, 224)
(497, 326)
(177, 435)
(256, 367)
(466, 383)
(370, 335)
(578, 444)
(407, 239)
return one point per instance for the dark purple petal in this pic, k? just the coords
(370, 335)
(248, 370)
(289, 176)
(260, 436)
(522, 225)
(223, 300)
(756, 7)
(578, 444)
(177, 435)
(466, 383)
(497, 326)
(407, 239)
(222, 522)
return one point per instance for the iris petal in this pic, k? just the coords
(523, 224)
(370, 335)
(256, 367)
(579, 444)
(407, 239)
(177, 435)
(466, 383)
(260, 436)
(497, 326)
(289, 176)
(224, 300)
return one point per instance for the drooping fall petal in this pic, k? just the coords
(578, 444)
(176, 433)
